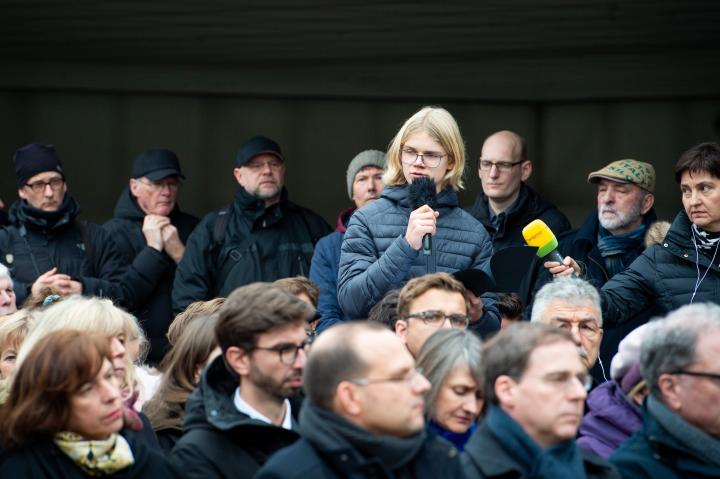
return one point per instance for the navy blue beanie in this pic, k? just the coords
(33, 159)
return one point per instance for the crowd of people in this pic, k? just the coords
(417, 339)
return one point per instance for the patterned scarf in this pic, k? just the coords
(96, 458)
(706, 241)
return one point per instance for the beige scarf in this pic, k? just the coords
(96, 458)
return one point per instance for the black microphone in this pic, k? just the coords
(422, 192)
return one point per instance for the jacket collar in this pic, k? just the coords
(212, 402)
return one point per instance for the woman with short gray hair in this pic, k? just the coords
(451, 359)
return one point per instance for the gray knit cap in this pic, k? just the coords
(361, 160)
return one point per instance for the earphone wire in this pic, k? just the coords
(697, 264)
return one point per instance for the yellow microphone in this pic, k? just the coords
(538, 235)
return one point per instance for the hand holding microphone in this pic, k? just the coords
(421, 224)
(537, 234)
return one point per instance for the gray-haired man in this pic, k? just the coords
(574, 304)
(681, 417)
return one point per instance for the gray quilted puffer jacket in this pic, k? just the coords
(376, 257)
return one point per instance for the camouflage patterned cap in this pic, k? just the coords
(627, 171)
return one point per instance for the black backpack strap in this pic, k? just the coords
(221, 224)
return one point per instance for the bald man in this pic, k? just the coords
(506, 204)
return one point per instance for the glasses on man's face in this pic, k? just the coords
(157, 186)
(587, 329)
(566, 380)
(437, 318)
(256, 166)
(287, 352)
(39, 186)
(410, 377)
(700, 374)
(502, 166)
(431, 159)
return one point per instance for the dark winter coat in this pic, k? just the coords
(37, 241)
(610, 420)
(219, 441)
(324, 273)
(485, 458)
(259, 244)
(44, 460)
(662, 278)
(529, 206)
(154, 310)
(653, 453)
(376, 257)
(326, 453)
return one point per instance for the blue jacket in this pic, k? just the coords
(324, 273)
(376, 257)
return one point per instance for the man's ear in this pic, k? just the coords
(238, 174)
(238, 360)
(134, 186)
(526, 170)
(648, 203)
(669, 388)
(347, 399)
(506, 390)
(401, 327)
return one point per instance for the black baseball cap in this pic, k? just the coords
(476, 281)
(258, 145)
(156, 164)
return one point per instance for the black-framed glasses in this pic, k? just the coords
(287, 352)
(436, 318)
(157, 186)
(502, 166)
(39, 186)
(699, 374)
(431, 159)
(409, 378)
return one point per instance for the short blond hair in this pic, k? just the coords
(442, 127)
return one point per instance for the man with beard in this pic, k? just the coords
(261, 236)
(47, 247)
(241, 412)
(612, 238)
(364, 414)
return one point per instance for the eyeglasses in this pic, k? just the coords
(39, 186)
(409, 378)
(502, 166)
(699, 374)
(586, 329)
(287, 352)
(260, 165)
(436, 318)
(155, 186)
(565, 380)
(430, 159)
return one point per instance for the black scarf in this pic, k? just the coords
(328, 431)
